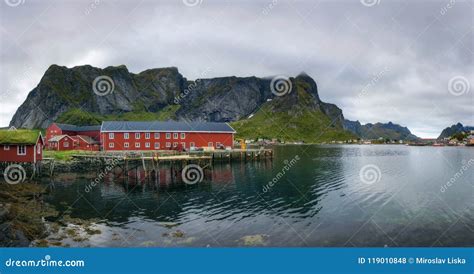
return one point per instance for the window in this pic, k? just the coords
(175, 144)
(147, 135)
(111, 145)
(168, 135)
(126, 135)
(183, 135)
(126, 145)
(157, 145)
(218, 145)
(111, 136)
(137, 135)
(168, 144)
(38, 150)
(21, 150)
(192, 144)
(209, 144)
(6, 147)
(157, 135)
(66, 144)
(137, 145)
(183, 144)
(147, 144)
(175, 135)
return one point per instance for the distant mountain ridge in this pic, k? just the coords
(456, 128)
(379, 130)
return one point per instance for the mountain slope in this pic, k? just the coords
(67, 95)
(379, 130)
(450, 131)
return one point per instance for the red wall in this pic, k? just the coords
(61, 144)
(11, 155)
(80, 144)
(54, 130)
(199, 139)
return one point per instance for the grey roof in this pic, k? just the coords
(56, 138)
(168, 126)
(86, 138)
(68, 127)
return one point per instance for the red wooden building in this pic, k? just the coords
(56, 132)
(157, 135)
(25, 146)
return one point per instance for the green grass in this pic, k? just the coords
(65, 155)
(81, 118)
(20, 136)
(307, 125)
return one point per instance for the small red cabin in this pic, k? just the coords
(89, 134)
(24, 146)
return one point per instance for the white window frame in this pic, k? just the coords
(6, 147)
(126, 135)
(157, 135)
(66, 144)
(192, 144)
(147, 135)
(111, 136)
(137, 144)
(210, 144)
(168, 144)
(183, 136)
(126, 145)
(175, 144)
(157, 145)
(183, 144)
(21, 150)
(147, 144)
(111, 145)
(218, 144)
(168, 135)
(137, 135)
(175, 135)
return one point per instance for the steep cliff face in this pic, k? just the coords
(68, 91)
(374, 131)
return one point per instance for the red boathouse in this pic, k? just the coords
(23, 146)
(158, 135)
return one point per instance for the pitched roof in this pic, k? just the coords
(57, 138)
(168, 126)
(20, 136)
(87, 139)
(68, 127)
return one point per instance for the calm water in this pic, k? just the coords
(320, 200)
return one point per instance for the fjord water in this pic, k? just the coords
(333, 195)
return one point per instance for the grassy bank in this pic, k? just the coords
(65, 155)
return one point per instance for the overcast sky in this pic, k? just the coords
(409, 62)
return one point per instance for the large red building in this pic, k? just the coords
(157, 135)
(24, 146)
(68, 137)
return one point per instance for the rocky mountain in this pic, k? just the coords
(88, 95)
(450, 131)
(374, 131)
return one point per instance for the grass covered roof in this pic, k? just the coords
(19, 136)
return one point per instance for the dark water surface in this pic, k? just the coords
(321, 196)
